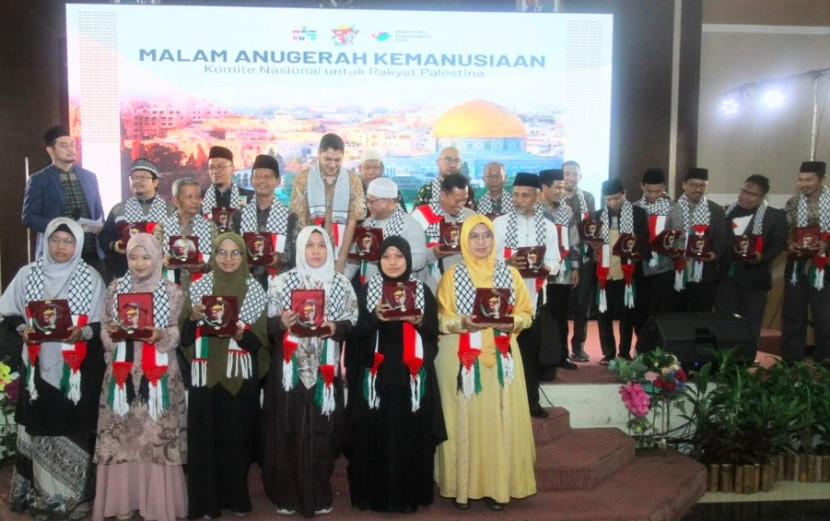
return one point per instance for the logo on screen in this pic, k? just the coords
(303, 34)
(344, 35)
(381, 36)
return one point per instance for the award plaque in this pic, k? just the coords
(744, 247)
(366, 243)
(184, 249)
(628, 247)
(534, 257)
(50, 319)
(129, 229)
(698, 246)
(668, 242)
(259, 247)
(221, 315)
(135, 316)
(309, 306)
(589, 232)
(400, 297)
(450, 237)
(491, 307)
(221, 216)
(807, 239)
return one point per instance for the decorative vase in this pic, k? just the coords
(727, 476)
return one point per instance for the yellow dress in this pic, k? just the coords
(489, 450)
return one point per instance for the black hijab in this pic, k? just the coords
(401, 244)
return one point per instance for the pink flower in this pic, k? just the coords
(635, 399)
(650, 376)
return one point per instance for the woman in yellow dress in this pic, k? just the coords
(489, 453)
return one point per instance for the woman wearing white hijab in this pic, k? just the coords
(57, 409)
(302, 413)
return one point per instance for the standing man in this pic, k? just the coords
(371, 167)
(560, 285)
(698, 217)
(806, 278)
(450, 208)
(270, 216)
(329, 196)
(449, 163)
(745, 282)
(618, 276)
(658, 273)
(386, 213)
(223, 191)
(526, 226)
(582, 296)
(187, 221)
(145, 206)
(63, 189)
(495, 202)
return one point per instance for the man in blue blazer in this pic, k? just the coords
(64, 190)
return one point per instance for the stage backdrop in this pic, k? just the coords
(167, 82)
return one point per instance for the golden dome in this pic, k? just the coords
(478, 119)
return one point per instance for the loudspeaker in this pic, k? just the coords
(694, 337)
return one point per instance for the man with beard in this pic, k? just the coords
(371, 167)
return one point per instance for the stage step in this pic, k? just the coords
(553, 427)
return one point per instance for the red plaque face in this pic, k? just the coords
(743, 246)
(366, 243)
(309, 308)
(535, 260)
(668, 242)
(400, 297)
(450, 236)
(221, 216)
(130, 229)
(698, 246)
(628, 246)
(806, 241)
(184, 249)
(491, 307)
(259, 247)
(135, 316)
(221, 315)
(50, 319)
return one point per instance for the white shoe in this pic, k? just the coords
(323, 511)
(286, 511)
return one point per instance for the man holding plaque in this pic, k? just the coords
(520, 234)
(223, 197)
(658, 272)
(330, 197)
(449, 209)
(582, 295)
(704, 224)
(388, 216)
(759, 235)
(267, 221)
(186, 222)
(619, 269)
(144, 208)
(495, 202)
(808, 214)
(560, 285)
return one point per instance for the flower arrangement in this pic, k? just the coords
(653, 380)
(9, 391)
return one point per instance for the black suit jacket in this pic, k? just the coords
(641, 229)
(759, 276)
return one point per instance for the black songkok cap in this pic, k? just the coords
(220, 152)
(654, 176)
(526, 179)
(547, 177)
(265, 161)
(612, 186)
(817, 167)
(697, 173)
(53, 134)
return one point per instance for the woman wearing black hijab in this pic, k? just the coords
(394, 415)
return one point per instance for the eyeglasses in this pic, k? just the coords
(223, 254)
(57, 241)
(751, 194)
(452, 160)
(141, 178)
(480, 236)
(217, 168)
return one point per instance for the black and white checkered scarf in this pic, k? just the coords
(209, 201)
(465, 290)
(757, 218)
(316, 193)
(79, 293)
(277, 221)
(374, 292)
(583, 205)
(823, 210)
(699, 217)
(393, 226)
(336, 293)
(134, 213)
(435, 190)
(486, 205)
(512, 239)
(626, 221)
(659, 207)
(161, 303)
(200, 227)
(249, 309)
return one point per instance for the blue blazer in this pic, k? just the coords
(45, 200)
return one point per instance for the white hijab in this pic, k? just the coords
(314, 277)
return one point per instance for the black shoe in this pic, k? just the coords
(625, 356)
(538, 412)
(567, 364)
(492, 504)
(580, 356)
(606, 360)
(460, 506)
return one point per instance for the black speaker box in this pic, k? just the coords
(694, 337)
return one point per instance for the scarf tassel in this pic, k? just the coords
(239, 364)
(796, 269)
(505, 362)
(630, 291)
(697, 271)
(156, 394)
(71, 383)
(469, 379)
(30, 382)
(819, 261)
(121, 390)
(370, 393)
(679, 274)
(324, 395)
(198, 372)
(417, 385)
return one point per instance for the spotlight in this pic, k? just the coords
(729, 106)
(772, 98)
